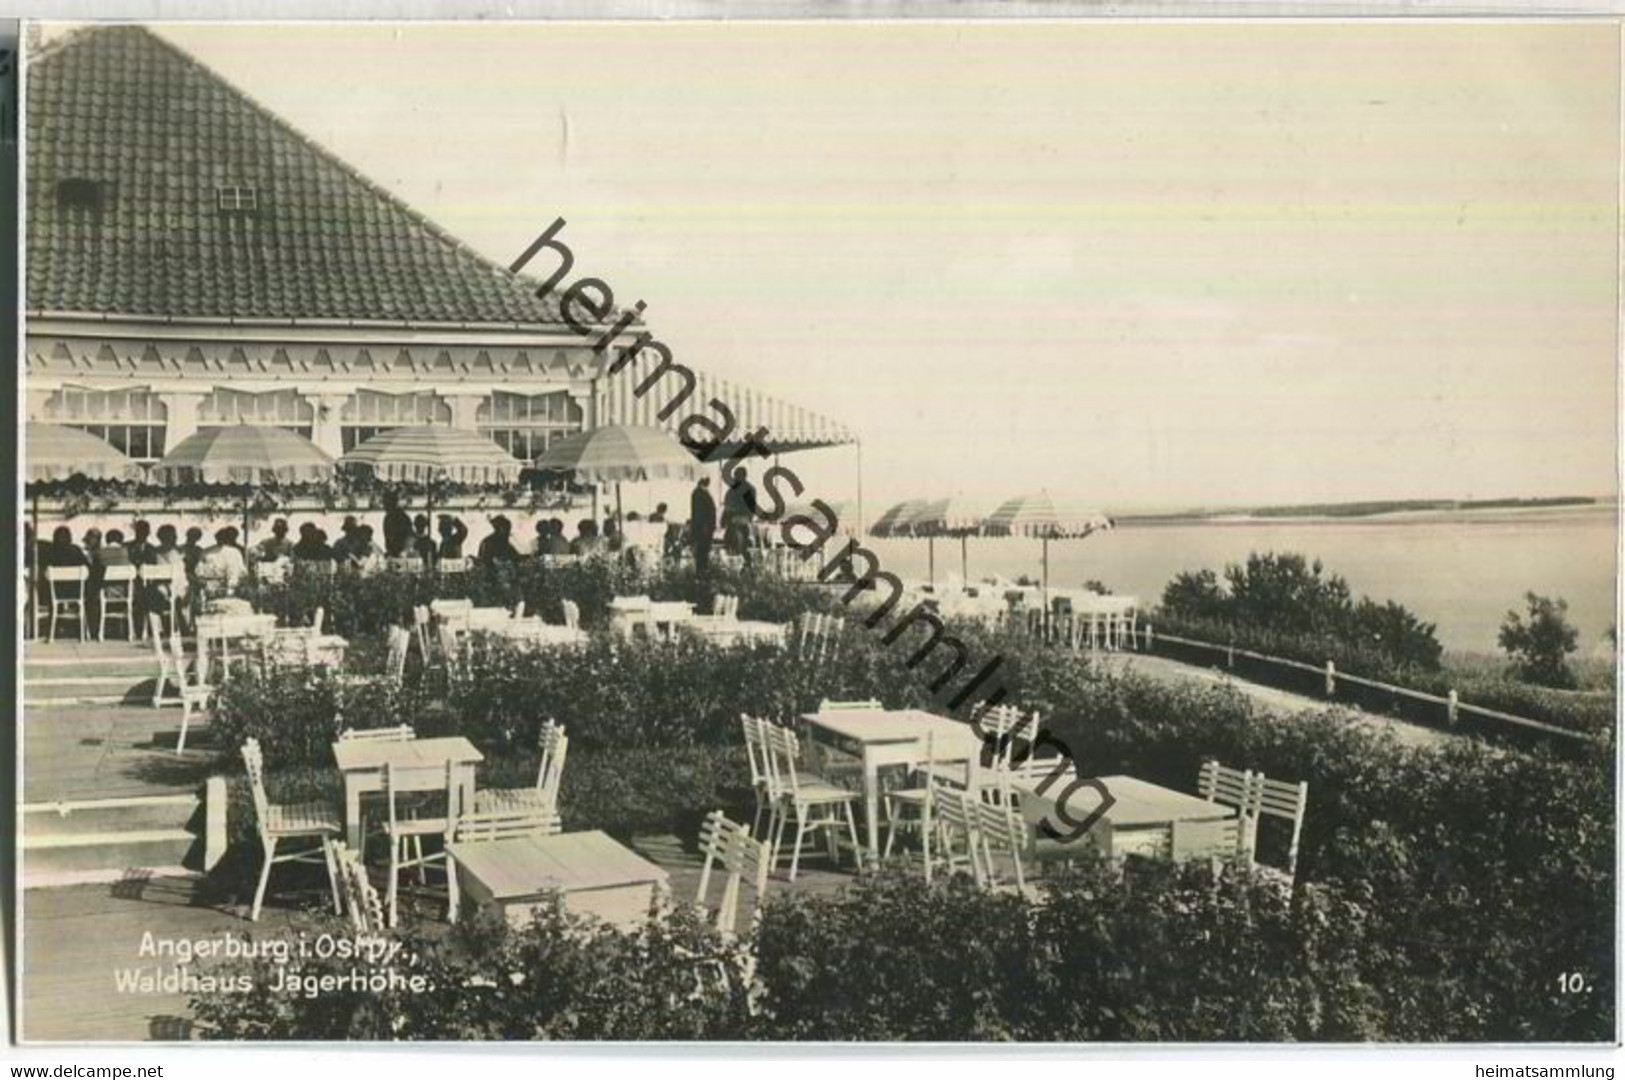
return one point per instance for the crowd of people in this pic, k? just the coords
(205, 571)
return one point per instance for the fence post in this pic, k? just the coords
(1150, 637)
(1450, 708)
(1230, 654)
(1331, 679)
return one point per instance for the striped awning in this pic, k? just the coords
(789, 427)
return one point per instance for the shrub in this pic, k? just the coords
(1539, 647)
(1285, 605)
(559, 978)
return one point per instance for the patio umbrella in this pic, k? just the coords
(621, 452)
(424, 453)
(428, 453)
(1046, 518)
(246, 454)
(953, 516)
(898, 521)
(53, 452)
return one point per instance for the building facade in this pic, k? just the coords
(194, 261)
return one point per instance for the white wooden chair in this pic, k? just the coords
(484, 826)
(1286, 802)
(818, 636)
(67, 585)
(281, 822)
(572, 614)
(158, 583)
(732, 848)
(554, 746)
(830, 705)
(402, 733)
(421, 622)
(489, 827)
(760, 771)
(192, 680)
(1213, 842)
(118, 601)
(168, 674)
(814, 803)
(400, 642)
(318, 621)
(910, 808)
(1002, 834)
(361, 899)
(451, 648)
(724, 606)
(956, 819)
(406, 831)
(519, 611)
(1235, 788)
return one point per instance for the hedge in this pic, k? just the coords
(1469, 876)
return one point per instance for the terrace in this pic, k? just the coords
(653, 712)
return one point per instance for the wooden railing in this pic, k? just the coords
(1454, 709)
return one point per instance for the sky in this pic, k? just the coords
(1148, 265)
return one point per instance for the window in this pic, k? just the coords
(236, 198)
(525, 424)
(132, 420)
(274, 408)
(79, 193)
(370, 411)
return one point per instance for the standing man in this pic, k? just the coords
(738, 514)
(702, 526)
(397, 527)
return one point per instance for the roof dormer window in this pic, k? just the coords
(80, 193)
(236, 198)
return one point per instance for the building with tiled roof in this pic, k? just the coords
(193, 261)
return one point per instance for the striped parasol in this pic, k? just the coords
(1048, 519)
(422, 453)
(244, 454)
(619, 452)
(55, 452)
(898, 520)
(248, 454)
(954, 516)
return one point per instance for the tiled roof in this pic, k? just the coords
(119, 106)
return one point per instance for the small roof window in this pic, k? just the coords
(236, 198)
(81, 193)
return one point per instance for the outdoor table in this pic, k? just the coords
(885, 737)
(362, 762)
(667, 614)
(225, 629)
(318, 649)
(536, 632)
(723, 631)
(1138, 821)
(593, 874)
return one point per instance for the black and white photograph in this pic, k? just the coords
(1060, 532)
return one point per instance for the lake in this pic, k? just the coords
(1462, 571)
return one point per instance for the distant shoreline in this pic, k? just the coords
(1487, 511)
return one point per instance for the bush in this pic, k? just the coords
(560, 978)
(1540, 647)
(1284, 605)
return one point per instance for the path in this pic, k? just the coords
(1166, 670)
